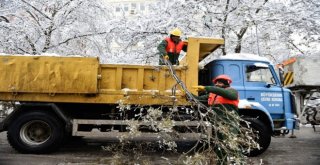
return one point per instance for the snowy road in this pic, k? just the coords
(305, 149)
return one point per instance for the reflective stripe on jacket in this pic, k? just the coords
(172, 47)
(216, 99)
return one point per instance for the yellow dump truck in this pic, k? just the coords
(55, 96)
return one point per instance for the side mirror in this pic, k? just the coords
(281, 75)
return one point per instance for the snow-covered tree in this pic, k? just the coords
(297, 23)
(267, 27)
(259, 26)
(58, 26)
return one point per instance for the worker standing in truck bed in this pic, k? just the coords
(170, 47)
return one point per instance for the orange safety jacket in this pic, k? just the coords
(216, 99)
(172, 47)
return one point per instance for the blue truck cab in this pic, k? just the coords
(263, 100)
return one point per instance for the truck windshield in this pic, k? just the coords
(259, 74)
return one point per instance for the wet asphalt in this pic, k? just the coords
(284, 150)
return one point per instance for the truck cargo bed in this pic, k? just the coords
(85, 80)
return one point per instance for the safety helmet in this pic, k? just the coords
(223, 77)
(176, 32)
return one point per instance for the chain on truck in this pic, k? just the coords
(56, 98)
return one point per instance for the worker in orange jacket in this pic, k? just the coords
(221, 94)
(170, 47)
(221, 97)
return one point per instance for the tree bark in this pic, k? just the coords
(243, 31)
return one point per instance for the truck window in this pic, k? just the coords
(259, 74)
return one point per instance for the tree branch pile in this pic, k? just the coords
(225, 138)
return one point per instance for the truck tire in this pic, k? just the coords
(36, 132)
(262, 136)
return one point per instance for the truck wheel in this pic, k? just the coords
(36, 132)
(262, 136)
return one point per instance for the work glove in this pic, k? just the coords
(199, 88)
(166, 57)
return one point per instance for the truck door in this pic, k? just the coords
(262, 86)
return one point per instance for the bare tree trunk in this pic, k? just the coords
(239, 39)
(32, 45)
(223, 30)
(243, 31)
(48, 33)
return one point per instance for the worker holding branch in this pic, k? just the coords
(171, 47)
(221, 98)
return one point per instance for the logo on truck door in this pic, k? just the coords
(261, 86)
(272, 97)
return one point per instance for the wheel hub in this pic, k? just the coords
(35, 132)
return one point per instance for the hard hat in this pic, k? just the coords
(176, 32)
(223, 77)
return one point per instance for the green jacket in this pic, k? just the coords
(228, 93)
(173, 57)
